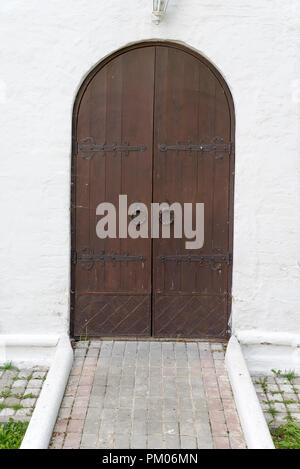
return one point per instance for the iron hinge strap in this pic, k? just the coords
(202, 258)
(88, 258)
(88, 148)
(216, 146)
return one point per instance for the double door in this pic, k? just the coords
(154, 123)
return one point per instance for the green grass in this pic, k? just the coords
(272, 411)
(287, 436)
(12, 434)
(17, 407)
(263, 383)
(9, 366)
(290, 375)
(28, 396)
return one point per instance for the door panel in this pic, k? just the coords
(113, 297)
(190, 297)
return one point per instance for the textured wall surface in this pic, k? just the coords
(47, 49)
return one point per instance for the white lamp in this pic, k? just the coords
(159, 9)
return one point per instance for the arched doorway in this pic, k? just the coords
(154, 121)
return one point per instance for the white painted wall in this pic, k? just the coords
(47, 49)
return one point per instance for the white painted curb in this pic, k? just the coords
(29, 340)
(43, 419)
(252, 419)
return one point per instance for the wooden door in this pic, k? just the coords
(192, 132)
(114, 134)
(155, 122)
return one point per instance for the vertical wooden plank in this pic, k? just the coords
(137, 123)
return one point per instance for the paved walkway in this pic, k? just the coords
(139, 394)
(279, 396)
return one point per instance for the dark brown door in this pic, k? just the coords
(154, 122)
(190, 286)
(113, 276)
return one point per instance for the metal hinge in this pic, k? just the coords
(214, 260)
(197, 257)
(216, 146)
(87, 258)
(88, 148)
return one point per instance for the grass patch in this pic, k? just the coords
(12, 434)
(290, 375)
(286, 436)
(272, 411)
(17, 407)
(28, 396)
(263, 383)
(9, 366)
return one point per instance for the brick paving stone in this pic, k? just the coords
(72, 441)
(88, 441)
(203, 433)
(61, 425)
(138, 441)
(20, 383)
(28, 402)
(236, 439)
(221, 442)
(67, 402)
(188, 442)
(82, 344)
(33, 391)
(18, 390)
(57, 441)
(78, 413)
(6, 413)
(155, 442)
(75, 425)
(38, 374)
(293, 408)
(23, 414)
(64, 412)
(35, 383)
(11, 401)
(127, 394)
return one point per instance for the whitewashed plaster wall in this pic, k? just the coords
(47, 48)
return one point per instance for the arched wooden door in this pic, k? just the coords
(154, 121)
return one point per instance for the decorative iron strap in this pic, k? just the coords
(88, 258)
(88, 148)
(211, 259)
(217, 145)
